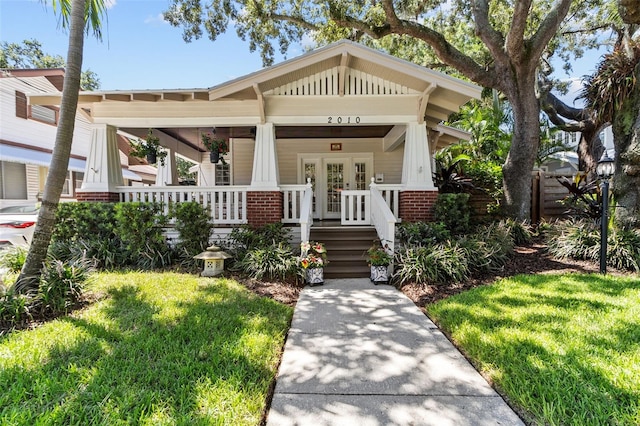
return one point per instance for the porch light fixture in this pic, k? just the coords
(213, 261)
(604, 169)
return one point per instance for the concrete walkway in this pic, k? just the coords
(359, 354)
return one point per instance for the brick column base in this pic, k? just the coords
(417, 206)
(264, 207)
(104, 197)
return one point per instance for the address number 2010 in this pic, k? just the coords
(343, 120)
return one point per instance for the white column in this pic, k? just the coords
(416, 166)
(265, 175)
(167, 172)
(103, 171)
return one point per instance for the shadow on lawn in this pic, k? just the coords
(196, 366)
(547, 349)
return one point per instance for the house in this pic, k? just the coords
(27, 137)
(342, 133)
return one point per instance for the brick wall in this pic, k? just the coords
(264, 207)
(110, 197)
(417, 206)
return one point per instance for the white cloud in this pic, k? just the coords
(154, 19)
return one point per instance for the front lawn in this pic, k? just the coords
(565, 348)
(160, 348)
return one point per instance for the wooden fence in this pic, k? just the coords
(546, 196)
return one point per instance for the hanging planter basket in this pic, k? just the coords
(152, 158)
(214, 157)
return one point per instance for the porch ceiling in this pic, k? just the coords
(191, 135)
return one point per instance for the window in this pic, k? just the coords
(13, 181)
(223, 174)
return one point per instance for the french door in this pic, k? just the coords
(330, 175)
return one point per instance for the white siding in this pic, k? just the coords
(242, 163)
(31, 132)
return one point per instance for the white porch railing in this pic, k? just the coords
(355, 207)
(306, 212)
(391, 195)
(228, 204)
(383, 219)
(292, 196)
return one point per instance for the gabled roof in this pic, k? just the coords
(346, 54)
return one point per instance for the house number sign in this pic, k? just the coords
(343, 120)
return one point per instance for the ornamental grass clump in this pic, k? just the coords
(580, 239)
(454, 260)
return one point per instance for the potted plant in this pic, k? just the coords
(149, 148)
(379, 261)
(217, 147)
(313, 259)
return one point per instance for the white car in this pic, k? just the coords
(17, 224)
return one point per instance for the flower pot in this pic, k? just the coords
(214, 156)
(379, 274)
(152, 158)
(315, 276)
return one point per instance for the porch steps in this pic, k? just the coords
(346, 249)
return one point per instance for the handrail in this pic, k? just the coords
(383, 220)
(306, 212)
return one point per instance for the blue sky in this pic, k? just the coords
(141, 51)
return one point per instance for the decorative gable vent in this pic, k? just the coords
(327, 83)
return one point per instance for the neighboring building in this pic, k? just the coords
(27, 137)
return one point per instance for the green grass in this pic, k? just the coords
(159, 349)
(565, 348)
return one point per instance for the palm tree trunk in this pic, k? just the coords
(28, 279)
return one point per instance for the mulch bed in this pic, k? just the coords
(529, 259)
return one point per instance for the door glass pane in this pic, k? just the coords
(335, 184)
(361, 176)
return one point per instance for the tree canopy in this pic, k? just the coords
(29, 54)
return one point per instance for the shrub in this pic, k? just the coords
(454, 212)
(422, 233)
(13, 258)
(88, 230)
(84, 220)
(271, 262)
(139, 226)
(193, 223)
(245, 238)
(61, 285)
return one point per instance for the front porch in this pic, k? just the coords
(341, 133)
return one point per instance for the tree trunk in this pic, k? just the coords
(28, 279)
(626, 180)
(522, 154)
